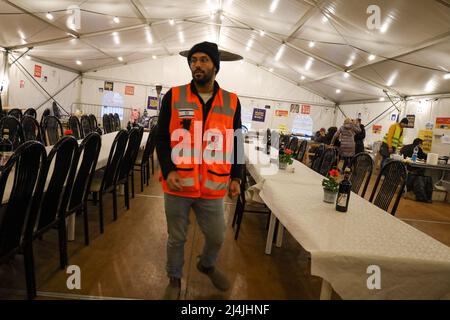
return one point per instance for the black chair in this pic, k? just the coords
(328, 161)
(15, 130)
(93, 122)
(107, 123)
(31, 129)
(75, 126)
(152, 122)
(56, 111)
(52, 130)
(129, 158)
(16, 112)
(284, 141)
(293, 145)
(30, 112)
(316, 161)
(362, 168)
(241, 203)
(116, 121)
(82, 172)
(143, 160)
(85, 125)
(45, 114)
(301, 151)
(105, 181)
(389, 186)
(19, 214)
(54, 200)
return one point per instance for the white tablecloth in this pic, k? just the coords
(343, 245)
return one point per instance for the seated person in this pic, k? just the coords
(408, 150)
(320, 136)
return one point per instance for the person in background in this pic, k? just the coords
(320, 135)
(408, 150)
(359, 138)
(346, 135)
(330, 134)
(392, 140)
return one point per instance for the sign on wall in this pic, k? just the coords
(376, 128)
(427, 137)
(295, 108)
(306, 109)
(152, 103)
(281, 113)
(129, 90)
(259, 115)
(21, 84)
(37, 71)
(109, 86)
(443, 123)
(411, 120)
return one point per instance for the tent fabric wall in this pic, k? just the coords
(425, 110)
(31, 95)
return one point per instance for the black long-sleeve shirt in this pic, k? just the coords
(164, 149)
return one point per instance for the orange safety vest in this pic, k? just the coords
(202, 154)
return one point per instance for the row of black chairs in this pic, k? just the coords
(69, 173)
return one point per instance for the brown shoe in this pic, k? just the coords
(173, 289)
(217, 278)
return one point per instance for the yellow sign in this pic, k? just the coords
(282, 128)
(427, 137)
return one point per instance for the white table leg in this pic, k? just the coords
(279, 235)
(270, 233)
(71, 227)
(326, 290)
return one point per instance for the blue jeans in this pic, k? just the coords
(210, 218)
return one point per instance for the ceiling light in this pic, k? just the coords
(312, 44)
(346, 75)
(309, 63)
(447, 76)
(120, 58)
(116, 40)
(271, 69)
(28, 57)
(372, 57)
(391, 80)
(21, 34)
(78, 62)
(382, 99)
(49, 16)
(172, 22)
(115, 34)
(430, 86)
(262, 33)
(384, 27)
(324, 19)
(149, 37)
(221, 17)
(274, 5)
(181, 36)
(349, 63)
(23, 41)
(153, 57)
(338, 91)
(116, 20)
(279, 53)
(302, 77)
(249, 44)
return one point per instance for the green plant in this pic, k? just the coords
(286, 156)
(330, 182)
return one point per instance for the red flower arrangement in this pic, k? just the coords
(330, 182)
(286, 156)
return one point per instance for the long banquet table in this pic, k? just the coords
(346, 247)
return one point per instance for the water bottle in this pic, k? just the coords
(414, 156)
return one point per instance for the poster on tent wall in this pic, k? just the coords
(259, 115)
(376, 128)
(427, 137)
(283, 128)
(37, 71)
(109, 86)
(21, 84)
(443, 123)
(295, 108)
(306, 109)
(152, 103)
(281, 113)
(129, 90)
(411, 120)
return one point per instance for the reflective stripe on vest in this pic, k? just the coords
(183, 103)
(215, 185)
(187, 182)
(225, 109)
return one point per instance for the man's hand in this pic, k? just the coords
(234, 189)
(174, 182)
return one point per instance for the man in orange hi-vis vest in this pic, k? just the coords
(200, 150)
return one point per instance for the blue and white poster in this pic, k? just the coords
(152, 103)
(259, 115)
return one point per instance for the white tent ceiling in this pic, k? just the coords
(411, 52)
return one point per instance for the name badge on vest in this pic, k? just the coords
(186, 113)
